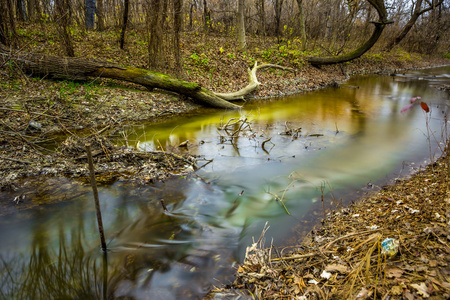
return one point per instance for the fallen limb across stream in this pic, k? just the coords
(82, 69)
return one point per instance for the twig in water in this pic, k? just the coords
(264, 143)
(209, 161)
(266, 227)
(322, 188)
(243, 122)
(236, 203)
(163, 205)
(332, 195)
(96, 199)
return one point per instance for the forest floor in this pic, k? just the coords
(45, 126)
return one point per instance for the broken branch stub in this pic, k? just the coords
(253, 83)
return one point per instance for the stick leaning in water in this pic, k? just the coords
(97, 202)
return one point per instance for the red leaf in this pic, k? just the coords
(424, 106)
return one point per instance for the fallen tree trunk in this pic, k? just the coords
(83, 69)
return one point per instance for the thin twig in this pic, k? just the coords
(31, 112)
(17, 160)
(326, 246)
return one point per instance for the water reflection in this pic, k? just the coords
(346, 138)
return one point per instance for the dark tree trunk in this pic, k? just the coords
(177, 8)
(34, 10)
(20, 11)
(302, 24)
(155, 40)
(206, 16)
(278, 6)
(191, 12)
(124, 23)
(379, 27)
(262, 16)
(100, 15)
(90, 14)
(62, 19)
(7, 26)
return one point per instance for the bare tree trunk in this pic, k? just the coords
(154, 44)
(100, 15)
(379, 27)
(34, 10)
(7, 26)
(90, 14)
(177, 8)
(206, 17)
(124, 23)
(62, 19)
(20, 10)
(302, 24)
(241, 25)
(262, 17)
(192, 6)
(278, 6)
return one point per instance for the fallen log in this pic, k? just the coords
(75, 68)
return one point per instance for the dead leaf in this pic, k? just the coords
(421, 289)
(394, 272)
(364, 293)
(396, 290)
(409, 296)
(336, 268)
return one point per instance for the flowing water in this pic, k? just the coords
(337, 142)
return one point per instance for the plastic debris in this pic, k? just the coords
(389, 247)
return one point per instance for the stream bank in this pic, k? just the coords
(45, 124)
(349, 256)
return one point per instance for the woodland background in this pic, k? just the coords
(274, 30)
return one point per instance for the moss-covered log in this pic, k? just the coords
(83, 69)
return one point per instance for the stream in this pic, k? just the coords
(275, 164)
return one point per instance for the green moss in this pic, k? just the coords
(375, 56)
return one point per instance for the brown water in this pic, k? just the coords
(350, 139)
